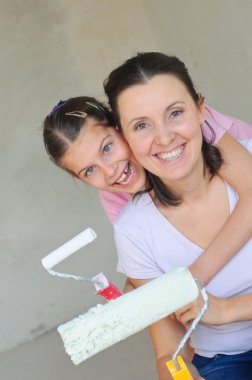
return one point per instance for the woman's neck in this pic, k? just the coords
(193, 187)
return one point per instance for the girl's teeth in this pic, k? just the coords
(124, 174)
(171, 155)
(121, 181)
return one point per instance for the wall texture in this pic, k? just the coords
(51, 50)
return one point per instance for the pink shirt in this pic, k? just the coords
(114, 202)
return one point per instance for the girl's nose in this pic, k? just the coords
(110, 171)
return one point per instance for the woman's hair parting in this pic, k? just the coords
(139, 70)
(63, 124)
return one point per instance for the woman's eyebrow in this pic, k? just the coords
(174, 104)
(100, 148)
(167, 109)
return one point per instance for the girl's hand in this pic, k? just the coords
(128, 287)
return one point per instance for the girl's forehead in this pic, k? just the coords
(86, 148)
(92, 121)
(93, 131)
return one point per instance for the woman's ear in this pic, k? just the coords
(201, 108)
(117, 128)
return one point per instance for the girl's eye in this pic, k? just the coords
(107, 148)
(140, 126)
(90, 171)
(176, 113)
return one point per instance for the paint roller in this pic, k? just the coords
(105, 325)
(103, 286)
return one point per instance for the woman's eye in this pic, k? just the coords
(176, 113)
(107, 148)
(140, 126)
(90, 170)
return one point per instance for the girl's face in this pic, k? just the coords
(102, 158)
(161, 123)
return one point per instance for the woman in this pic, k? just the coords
(66, 133)
(187, 204)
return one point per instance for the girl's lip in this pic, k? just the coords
(121, 174)
(132, 173)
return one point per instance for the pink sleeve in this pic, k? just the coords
(221, 124)
(113, 203)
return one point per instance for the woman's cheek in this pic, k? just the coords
(140, 148)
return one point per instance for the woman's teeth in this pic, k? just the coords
(126, 175)
(173, 154)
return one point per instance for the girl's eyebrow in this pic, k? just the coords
(100, 148)
(167, 109)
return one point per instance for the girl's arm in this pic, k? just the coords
(220, 311)
(237, 309)
(237, 171)
(128, 286)
(166, 335)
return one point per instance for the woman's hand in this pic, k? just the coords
(166, 335)
(215, 314)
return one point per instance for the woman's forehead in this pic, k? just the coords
(160, 90)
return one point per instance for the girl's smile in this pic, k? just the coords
(101, 157)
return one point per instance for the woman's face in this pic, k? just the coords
(161, 123)
(102, 158)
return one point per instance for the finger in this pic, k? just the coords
(184, 308)
(188, 316)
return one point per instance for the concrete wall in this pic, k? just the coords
(52, 50)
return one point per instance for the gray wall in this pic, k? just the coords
(52, 50)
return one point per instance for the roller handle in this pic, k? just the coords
(179, 374)
(177, 366)
(195, 322)
(67, 249)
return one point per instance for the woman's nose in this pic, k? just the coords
(163, 135)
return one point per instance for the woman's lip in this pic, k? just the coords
(172, 154)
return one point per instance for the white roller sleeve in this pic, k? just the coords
(67, 249)
(104, 325)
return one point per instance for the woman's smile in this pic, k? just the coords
(161, 123)
(171, 155)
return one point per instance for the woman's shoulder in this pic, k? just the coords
(247, 143)
(135, 211)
